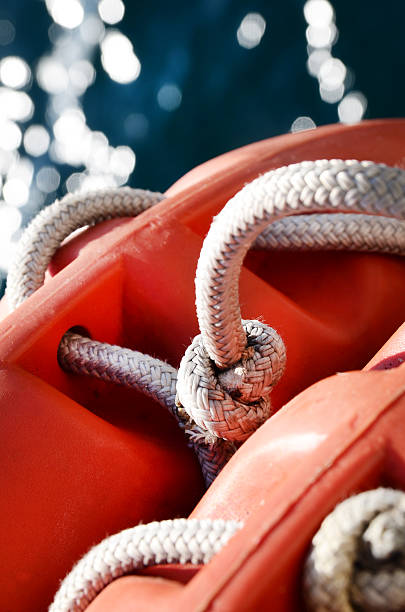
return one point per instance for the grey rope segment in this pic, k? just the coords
(324, 185)
(357, 561)
(334, 232)
(153, 377)
(56, 222)
(172, 541)
(121, 366)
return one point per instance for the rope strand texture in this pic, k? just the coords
(81, 355)
(357, 561)
(173, 541)
(335, 232)
(225, 343)
(153, 377)
(324, 185)
(56, 222)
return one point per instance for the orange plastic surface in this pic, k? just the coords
(341, 436)
(81, 459)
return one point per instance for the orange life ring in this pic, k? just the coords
(74, 470)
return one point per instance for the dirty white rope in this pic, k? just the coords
(254, 362)
(357, 561)
(173, 541)
(151, 376)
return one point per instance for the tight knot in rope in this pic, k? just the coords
(232, 403)
(357, 561)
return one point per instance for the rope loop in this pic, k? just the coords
(53, 224)
(357, 561)
(322, 186)
(233, 403)
(172, 541)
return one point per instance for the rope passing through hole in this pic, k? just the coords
(88, 357)
(226, 377)
(219, 383)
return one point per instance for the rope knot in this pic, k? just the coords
(232, 403)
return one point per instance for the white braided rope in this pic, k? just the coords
(257, 350)
(337, 232)
(56, 222)
(357, 561)
(324, 185)
(173, 541)
(121, 366)
(154, 378)
(232, 404)
(84, 356)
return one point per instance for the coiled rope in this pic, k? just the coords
(227, 374)
(357, 561)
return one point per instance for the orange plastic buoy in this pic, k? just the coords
(335, 439)
(82, 459)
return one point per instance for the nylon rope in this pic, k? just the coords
(172, 541)
(357, 560)
(307, 187)
(244, 359)
(154, 378)
(53, 224)
(227, 374)
(84, 356)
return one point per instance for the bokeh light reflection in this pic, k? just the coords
(10, 135)
(301, 124)
(334, 79)
(67, 13)
(36, 140)
(57, 146)
(251, 30)
(48, 179)
(14, 72)
(111, 11)
(352, 108)
(16, 105)
(7, 32)
(52, 75)
(15, 192)
(318, 13)
(169, 97)
(118, 57)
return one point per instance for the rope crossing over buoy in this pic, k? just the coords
(226, 376)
